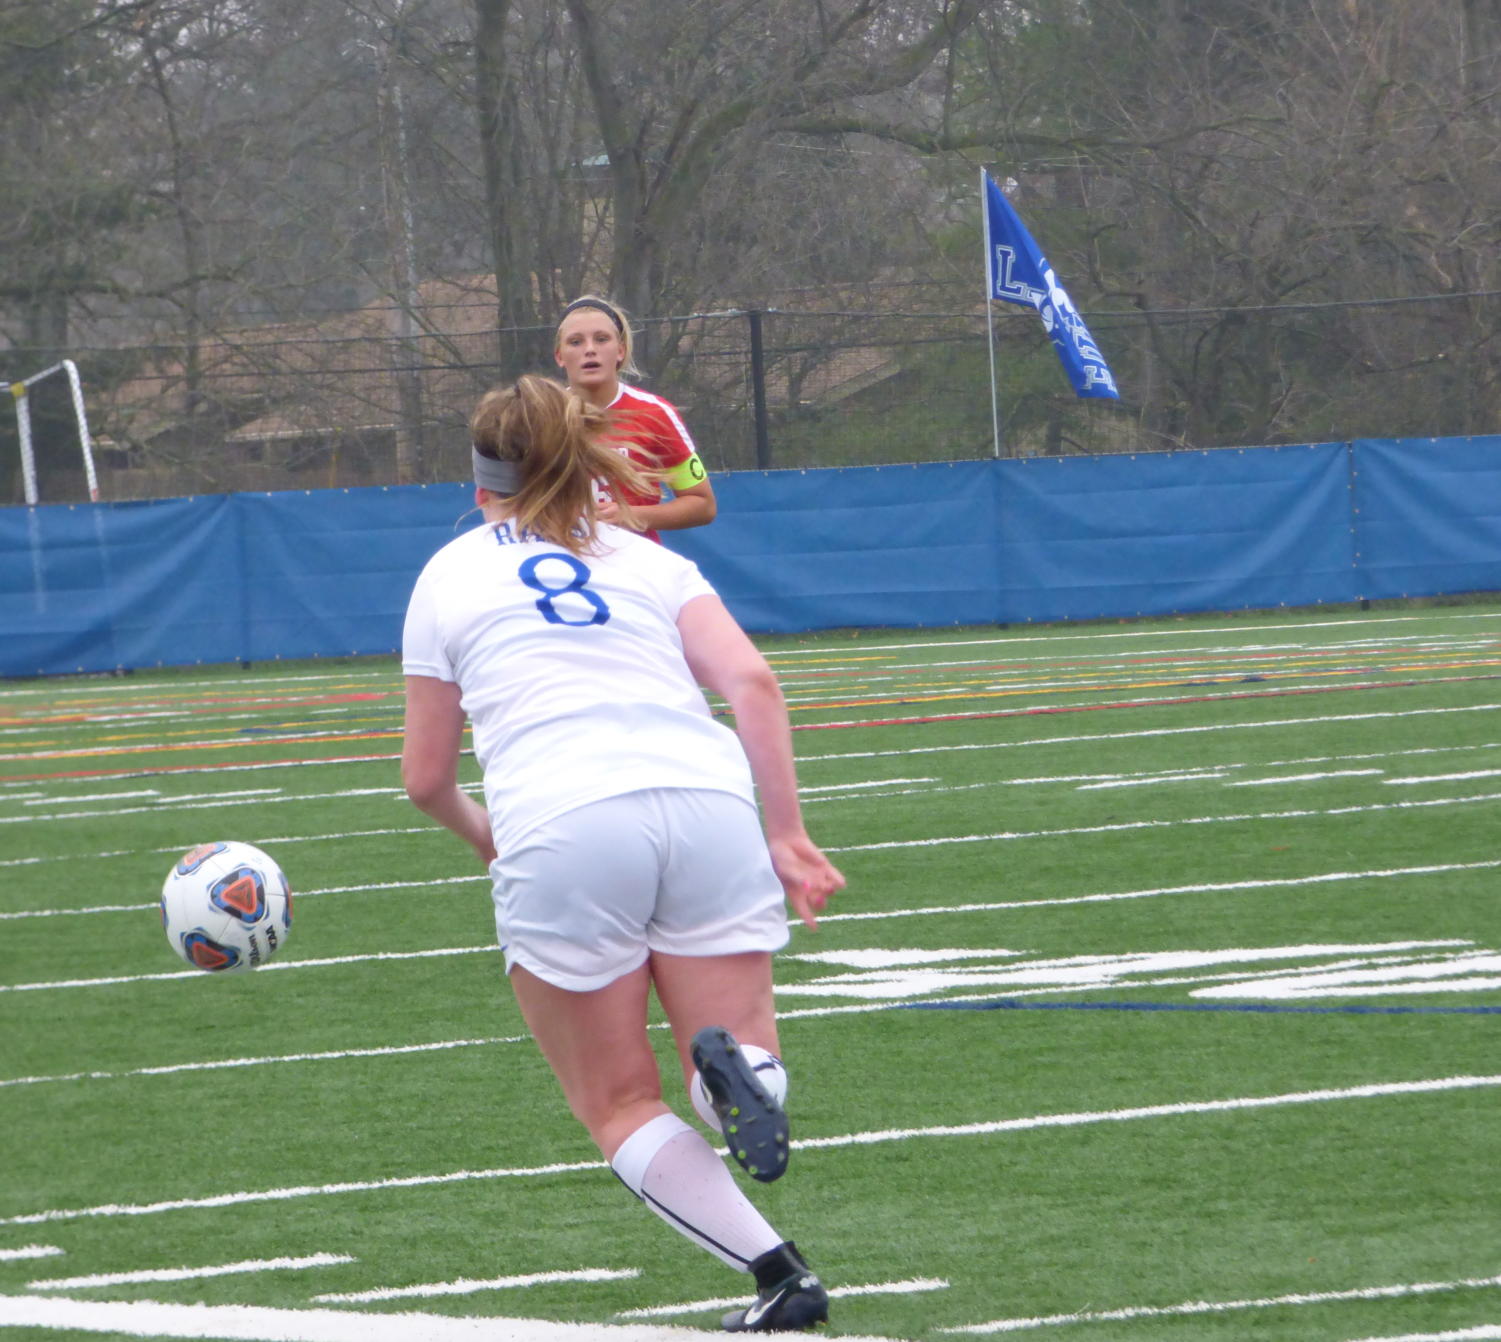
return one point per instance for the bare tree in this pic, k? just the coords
(64, 199)
(274, 228)
(675, 99)
(1243, 171)
(537, 149)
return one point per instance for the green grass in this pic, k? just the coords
(1266, 828)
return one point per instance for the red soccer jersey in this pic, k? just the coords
(651, 433)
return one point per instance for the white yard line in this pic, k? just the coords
(332, 1055)
(1119, 827)
(468, 1286)
(142, 747)
(175, 849)
(298, 894)
(116, 1209)
(978, 906)
(912, 1287)
(363, 731)
(1485, 1332)
(931, 842)
(1374, 1090)
(354, 680)
(809, 793)
(275, 965)
(247, 1323)
(1233, 691)
(852, 787)
(1146, 732)
(207, 801)
(1217, 631)
(188, 1273)
(1225, 1306)
(42, 799)
(1213, 690)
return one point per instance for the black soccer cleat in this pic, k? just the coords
(789, 1296)
(754, 1124)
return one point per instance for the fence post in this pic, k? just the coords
(758, 391)
(1357, 556)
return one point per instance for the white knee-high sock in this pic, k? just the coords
(672, 1169)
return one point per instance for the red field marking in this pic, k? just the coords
(161, 769)
(192, 768)
(1046, 710)
(1186, 660)
(1230, 679)
(153, 733)
(1128, 703)
(125, 710)
(158, 748)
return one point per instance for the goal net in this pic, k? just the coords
(22, 391)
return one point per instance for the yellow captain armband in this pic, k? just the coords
(686, 474)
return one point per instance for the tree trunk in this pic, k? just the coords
(502, 156)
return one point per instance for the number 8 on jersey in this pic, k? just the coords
(533, 576)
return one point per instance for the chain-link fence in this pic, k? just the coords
(344, 403)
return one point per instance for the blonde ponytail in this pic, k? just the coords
(559, 442)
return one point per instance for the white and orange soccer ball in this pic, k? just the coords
(226, 907)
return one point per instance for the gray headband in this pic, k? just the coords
(499, 477)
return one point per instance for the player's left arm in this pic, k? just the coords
(692, 505)
(430, 746)
(723, 659)
(675, 454)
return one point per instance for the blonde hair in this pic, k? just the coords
(559, 441)
(617, 315)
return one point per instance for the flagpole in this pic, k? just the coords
(995, 411)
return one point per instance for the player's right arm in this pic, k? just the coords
(431, 741)
(725, 661)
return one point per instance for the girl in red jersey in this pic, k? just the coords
(593, 347)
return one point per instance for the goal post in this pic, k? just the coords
(21, 391)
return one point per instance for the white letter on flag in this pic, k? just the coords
(1020, 273)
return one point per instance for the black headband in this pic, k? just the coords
(594, 303)
(499, 477)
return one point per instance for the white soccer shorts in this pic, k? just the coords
(586, 896)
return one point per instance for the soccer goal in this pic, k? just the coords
(21, 391)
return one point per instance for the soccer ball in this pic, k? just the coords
(768, 1069)
(226, 906)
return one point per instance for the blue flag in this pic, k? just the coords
(1018, 272)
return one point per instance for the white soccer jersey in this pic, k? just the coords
(571, 671)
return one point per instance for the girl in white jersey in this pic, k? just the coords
(620, 824)
(594, 349)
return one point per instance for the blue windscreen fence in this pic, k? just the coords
(265, 577)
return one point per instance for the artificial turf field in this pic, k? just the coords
(1163, 1003)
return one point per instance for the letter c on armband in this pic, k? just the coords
(688, 473)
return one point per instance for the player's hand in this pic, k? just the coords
(607, 510)
(807, 876)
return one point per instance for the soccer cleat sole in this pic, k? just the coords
(754, 1124)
